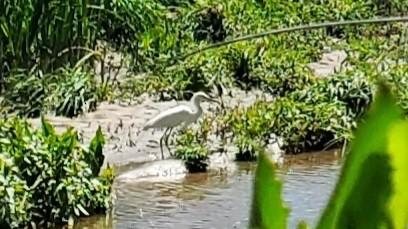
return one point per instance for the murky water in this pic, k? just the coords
(221, 199)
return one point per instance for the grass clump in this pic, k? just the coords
(61, 43)
(67, 92)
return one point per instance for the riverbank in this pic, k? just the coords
(121, 123)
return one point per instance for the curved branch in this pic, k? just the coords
(292, 29)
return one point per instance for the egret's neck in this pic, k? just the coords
(198, 110)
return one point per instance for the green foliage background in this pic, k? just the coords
(54, 58)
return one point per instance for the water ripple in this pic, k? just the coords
(222, 200)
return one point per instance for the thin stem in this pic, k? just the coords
(292, 29)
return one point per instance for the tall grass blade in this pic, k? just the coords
(268, 210)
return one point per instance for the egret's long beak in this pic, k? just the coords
(213, 100)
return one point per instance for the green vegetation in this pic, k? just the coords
(47, 178)
(371, 190)
(310, 113)
(193, 148)
(68, 92)
(62, 57)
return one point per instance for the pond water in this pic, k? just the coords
(221, 199)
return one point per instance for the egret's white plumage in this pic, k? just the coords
(178, 115)
(170, 118)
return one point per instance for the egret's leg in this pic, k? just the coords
(161, 146)
(161, 143)
(167, 139)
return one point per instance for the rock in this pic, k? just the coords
(157, 171)
(329, 64)
(223, 161)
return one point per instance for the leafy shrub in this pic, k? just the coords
(179, 83)
(241, 59)
(276, 64)
(144, 30)
(287, 78)
(390, 8)
(256, 16)
(315, 114)
(354, 89)
(397, 78)
(176, 3)
(309, 126)
(72, 92)
(248, 148)
(200, 73)
(303, 125)
(48, 178)
(209, 25)
(192, 146)
(123, 20)
(13, 195)
(192, 151)
(320, 115)
(24, 93)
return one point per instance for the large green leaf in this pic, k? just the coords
(370, 142)
(398, 150)
(366, 205)
(268, 210)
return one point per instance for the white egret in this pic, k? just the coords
(176, 116)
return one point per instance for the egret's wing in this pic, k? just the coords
(170, 118)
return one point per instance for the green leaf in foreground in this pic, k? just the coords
(96, 148)
(398, 150)
(366, 205)
(369, 144)
(268, 210)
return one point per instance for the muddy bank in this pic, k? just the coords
(121, 124)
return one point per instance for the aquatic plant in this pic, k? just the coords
(370, 192)
(192, 151)
(48, 178)
(192, 146)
